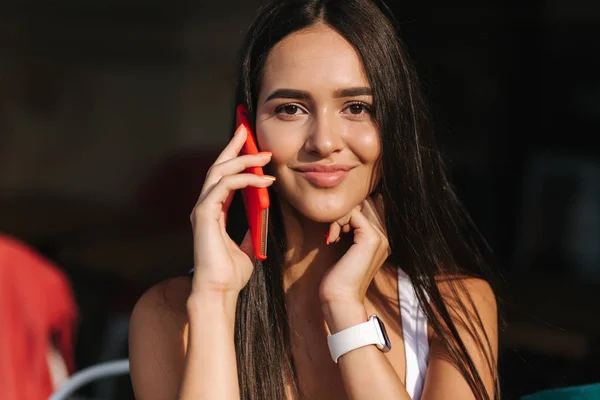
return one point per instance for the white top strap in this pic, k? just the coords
(414, 332)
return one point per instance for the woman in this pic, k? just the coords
(363, 222)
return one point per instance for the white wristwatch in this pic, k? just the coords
(367, 333)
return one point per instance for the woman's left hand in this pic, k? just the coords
(348, 280)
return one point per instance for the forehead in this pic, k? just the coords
(316, 57)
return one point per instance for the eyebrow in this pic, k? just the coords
(288, 94)
(302, 95)
(353, 92)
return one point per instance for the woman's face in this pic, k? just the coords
(313, 114)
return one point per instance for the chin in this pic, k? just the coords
(321, 217)
(323, 208)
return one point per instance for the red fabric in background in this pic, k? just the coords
(36, 304)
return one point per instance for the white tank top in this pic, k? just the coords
(414, 332)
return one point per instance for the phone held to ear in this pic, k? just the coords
(256, 200)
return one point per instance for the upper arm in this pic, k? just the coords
(158, 340)
(443, 379)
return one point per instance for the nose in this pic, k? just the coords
(325, 136)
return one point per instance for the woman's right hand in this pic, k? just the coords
(221, 266)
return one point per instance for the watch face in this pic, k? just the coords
(386, 340)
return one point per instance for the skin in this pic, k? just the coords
(181, 332)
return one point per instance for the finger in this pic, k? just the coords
(333, 233)
(371, 211)
(240, 163)
(233, 166)
(343, 221)
(341, 225)
(234, 146)
(361, 225)
(220, 192)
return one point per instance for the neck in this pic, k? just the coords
(308, 257)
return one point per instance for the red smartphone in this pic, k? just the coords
(256, 200)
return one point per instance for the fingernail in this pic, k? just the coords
(265, 153)
(327, 238)
(239, 129)
(269, 177)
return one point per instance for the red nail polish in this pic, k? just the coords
(327, 238)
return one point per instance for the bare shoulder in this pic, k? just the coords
(476, 294)
(158, 339)
(167, 297)
(471, 304)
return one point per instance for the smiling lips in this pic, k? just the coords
(324, 175)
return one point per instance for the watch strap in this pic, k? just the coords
(355, 337)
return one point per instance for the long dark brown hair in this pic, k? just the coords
(429, 232)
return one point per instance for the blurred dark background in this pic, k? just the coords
(111, 111)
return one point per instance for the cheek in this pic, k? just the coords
(283, 144)
(366, 145)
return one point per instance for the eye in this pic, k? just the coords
(359, 108)
(288, 109)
